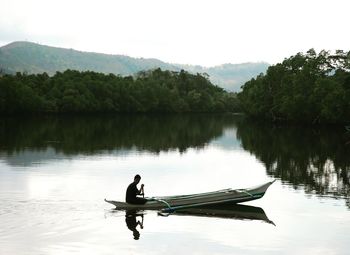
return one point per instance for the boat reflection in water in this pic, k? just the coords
(228, 211)
(134, 218)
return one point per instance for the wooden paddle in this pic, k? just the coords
(142, 190)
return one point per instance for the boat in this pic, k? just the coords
(172, 203)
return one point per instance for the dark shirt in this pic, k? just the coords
(131, 193)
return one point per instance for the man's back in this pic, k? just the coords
(131, 193)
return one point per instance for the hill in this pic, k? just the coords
(230, 76)
(34, 58)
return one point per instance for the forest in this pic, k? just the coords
(305, 88)
(91, 92)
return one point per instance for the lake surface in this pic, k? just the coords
(56, 171)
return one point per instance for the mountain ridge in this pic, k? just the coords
(23, 56)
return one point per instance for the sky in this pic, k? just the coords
(197, 32)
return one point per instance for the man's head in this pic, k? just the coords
(137, 178)
(136, 234)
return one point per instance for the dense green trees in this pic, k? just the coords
(309, 88)
(150, 91)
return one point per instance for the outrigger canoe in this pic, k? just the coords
(172, 203)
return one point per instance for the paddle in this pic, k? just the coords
(142, 191)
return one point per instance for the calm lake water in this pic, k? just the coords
(56, 171)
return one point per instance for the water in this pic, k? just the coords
(56, 171)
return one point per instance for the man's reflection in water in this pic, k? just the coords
(132, 222)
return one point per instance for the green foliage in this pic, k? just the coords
(309, 88)
(77, 92)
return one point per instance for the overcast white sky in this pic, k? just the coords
(203, 32)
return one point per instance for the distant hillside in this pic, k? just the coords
(230, 76)
(35, 58)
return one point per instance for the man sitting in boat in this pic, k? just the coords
(132, 192)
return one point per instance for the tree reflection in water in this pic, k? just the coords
(90, 134)
(316, 158)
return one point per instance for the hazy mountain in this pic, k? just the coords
(35, 58)
(230, 76)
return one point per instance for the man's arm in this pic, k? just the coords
(139, 191)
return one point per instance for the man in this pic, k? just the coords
(132, 192)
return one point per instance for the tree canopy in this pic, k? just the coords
(80, 92)
(309, 88)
